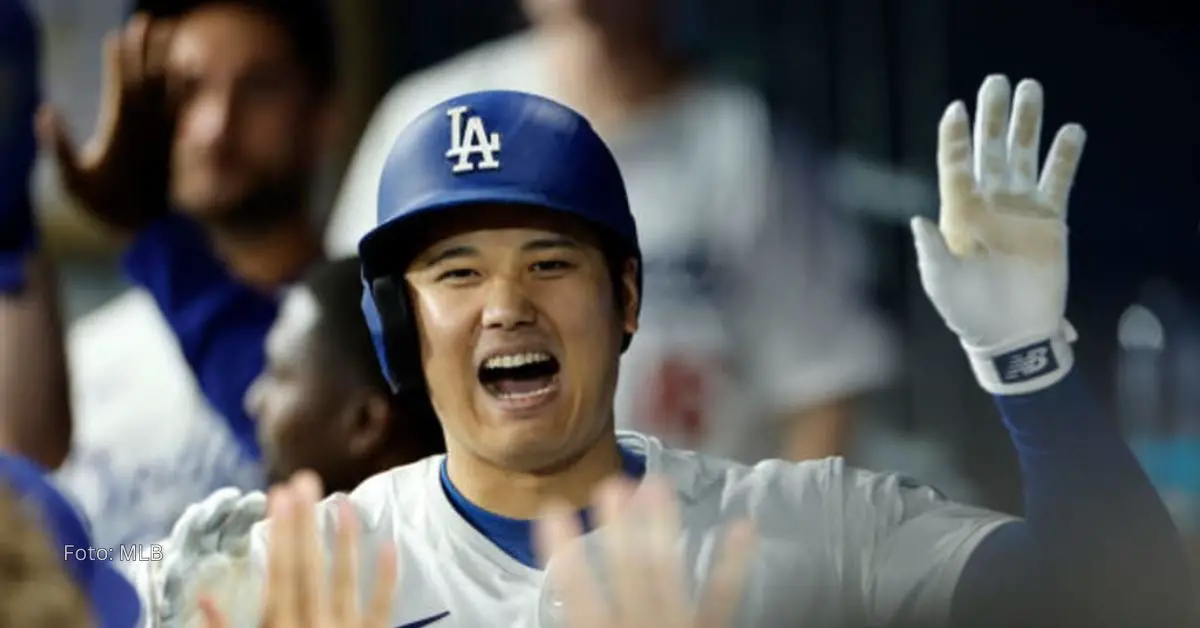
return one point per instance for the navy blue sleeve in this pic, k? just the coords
(1096, 547)
(221, 323)
(19, 97)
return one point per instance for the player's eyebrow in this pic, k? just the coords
(454, 252)
(543, 244)
(539, 244)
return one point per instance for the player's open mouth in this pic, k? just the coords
(524, 377)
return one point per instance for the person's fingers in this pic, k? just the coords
(55, 139)
(1023, 134)
(934, 255)
(727, 580)
(282, 603)
(213, 618)
(991, 129)
(625, 565)
(158, 46)
(267, 601)
(379, 609)
(956, 178)
(133, 50)
(111, 99)
(344, 589)
(556, 534)
(1061, 165)
(310, 555)
(670, 586)
(551, 535)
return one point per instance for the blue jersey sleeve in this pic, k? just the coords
(221, 323)
(19, 97)
(1096, 547)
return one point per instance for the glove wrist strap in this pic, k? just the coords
(1024, 366)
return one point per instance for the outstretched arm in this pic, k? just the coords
(1096, 547)
(35, 413)
(35, 407)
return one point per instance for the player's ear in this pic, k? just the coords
(366, 423)
(631, 297)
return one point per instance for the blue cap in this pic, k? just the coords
(495, 147)
(113, 599)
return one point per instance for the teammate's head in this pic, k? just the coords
(520, 271)
(51, 574)
(252, 81)
(321, 404)
(35, 590)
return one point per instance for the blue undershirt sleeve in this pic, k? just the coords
(1096, 547)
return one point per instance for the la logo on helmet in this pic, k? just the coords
(471, 140)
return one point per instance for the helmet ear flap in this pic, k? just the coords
(388, 311)
(400, 343)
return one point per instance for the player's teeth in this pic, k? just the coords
(525, 395)
(515, 360)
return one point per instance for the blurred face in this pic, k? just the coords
(249, 126)
(296, 402)
(520, 337)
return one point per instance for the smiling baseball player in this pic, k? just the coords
(503, 280)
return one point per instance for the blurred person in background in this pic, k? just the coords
(756, 298)
(52, 574)
(35, 590)
(35, 418)
(214, 118)
(1158, 400)
(321, 404)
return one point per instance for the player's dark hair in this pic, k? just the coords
(35, 589)
(616, 257)
(309, 25)
(342, 337)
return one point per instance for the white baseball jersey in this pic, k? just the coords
(838, 547)
(749, 311)
(146, 443)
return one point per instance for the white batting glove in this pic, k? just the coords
(209, 550)
(995, 266)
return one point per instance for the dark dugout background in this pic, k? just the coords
(872, 77)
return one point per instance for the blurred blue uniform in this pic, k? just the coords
(19, 97)
(132, 481)
(135, 494)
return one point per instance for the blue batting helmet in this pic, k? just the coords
(480, 149)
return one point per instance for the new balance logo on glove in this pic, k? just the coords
(1025, 363)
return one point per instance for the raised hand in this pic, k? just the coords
(299, 592)
(995, 266)
(645, 585)
(121, 176)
